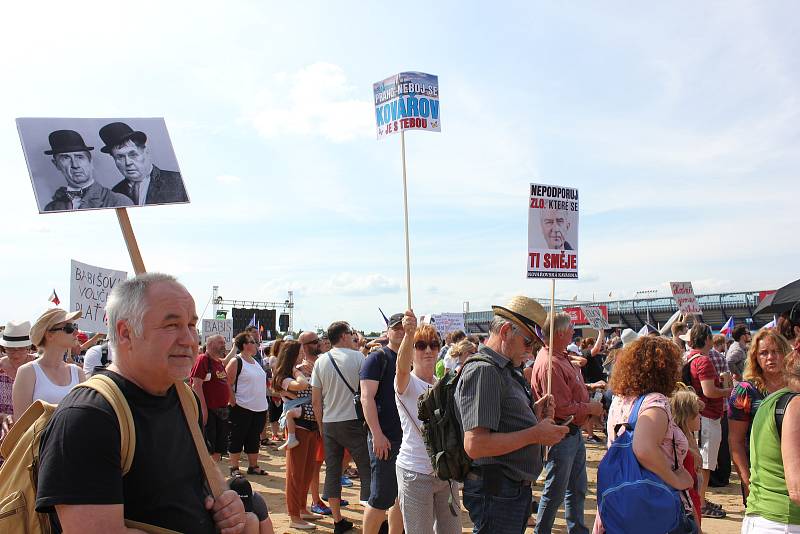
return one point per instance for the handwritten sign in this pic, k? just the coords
(89, 288)
(221, 327)
(594, 316)
(684, 297)
(579, 318)
(552, 232)
(447, 322)
(407, 101)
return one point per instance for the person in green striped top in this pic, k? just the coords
(774, 501)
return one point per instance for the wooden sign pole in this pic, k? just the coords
(405, 213)
(130, 241)
(552, 318)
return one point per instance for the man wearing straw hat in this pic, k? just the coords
(152, 327)
(565, 467)
(503, 428)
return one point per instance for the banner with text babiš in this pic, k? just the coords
(218, 327)
(407, 101)
(89, 287)
(552, 232)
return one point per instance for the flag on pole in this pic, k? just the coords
(54, 298)
(770, 324)
(727, 328)
(385, 319)
(252, 321)
(644, 330)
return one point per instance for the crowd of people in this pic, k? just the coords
(527, 407)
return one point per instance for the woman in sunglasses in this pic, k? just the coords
(423, 496)
(48, 378)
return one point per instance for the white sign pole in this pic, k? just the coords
(405, 216)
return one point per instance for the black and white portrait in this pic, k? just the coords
(80, 164)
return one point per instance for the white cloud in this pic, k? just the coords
(316, 100)
(362, 285)
(228, 179)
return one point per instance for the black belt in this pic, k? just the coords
(477, 473)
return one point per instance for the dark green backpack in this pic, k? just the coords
(441, 430)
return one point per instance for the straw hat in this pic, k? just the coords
(49, 319)
(523, 312)
(16, 335)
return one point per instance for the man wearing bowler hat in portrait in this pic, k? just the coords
(73, 159)
(144, 183)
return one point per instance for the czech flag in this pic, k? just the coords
(252, 321)
(54, 298)
(727, 328)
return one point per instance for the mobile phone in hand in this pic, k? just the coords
(566, 421)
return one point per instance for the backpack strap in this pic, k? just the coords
(632, 417)
(238, 372)
(780, 408)
(189, 407)
(110, 391)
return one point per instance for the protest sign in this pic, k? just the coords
(594, 316)
(684, 297)
(89, 287)
(222, 327)
(89, 163)
(552, 232)
(407, 101)
(579, 318)
(447, 322)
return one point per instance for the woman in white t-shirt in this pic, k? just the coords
(248, 413)
(48, 378)
(424, 498)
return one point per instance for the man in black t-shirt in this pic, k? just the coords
(152, 323)
(385, 433)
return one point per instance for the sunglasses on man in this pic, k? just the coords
(69, 328)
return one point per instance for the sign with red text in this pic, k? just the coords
(407, 101)
(89, 287)
(578, 316)
(684, 297)
(552, 232)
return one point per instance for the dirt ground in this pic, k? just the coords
(271, 488)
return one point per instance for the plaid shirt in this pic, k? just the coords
(718, 359)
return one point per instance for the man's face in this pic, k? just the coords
(133, 162)
(555, 226)
(311, 343)
(324, 345)
(215, 347)
(76, 167)
(516, 344)
(166, 350)
(395, 334)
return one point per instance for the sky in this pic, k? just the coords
(678, 122)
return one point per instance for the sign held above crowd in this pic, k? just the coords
(407, 101)
(222, 327)
(552, 232)
(595, 317)
(684, 297)
(89, 287)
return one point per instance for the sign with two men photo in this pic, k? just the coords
(83, 164)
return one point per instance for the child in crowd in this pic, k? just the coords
(292, 408)
(686, 407)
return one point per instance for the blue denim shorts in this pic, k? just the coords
(383, 484)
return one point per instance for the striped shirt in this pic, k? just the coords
(498, 398)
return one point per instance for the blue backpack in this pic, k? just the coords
(631, 499)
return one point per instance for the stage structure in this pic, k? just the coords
(272, 316)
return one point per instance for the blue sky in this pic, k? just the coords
(678, 122)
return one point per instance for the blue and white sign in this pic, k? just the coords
(407, 101)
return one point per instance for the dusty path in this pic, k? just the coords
(271, 487)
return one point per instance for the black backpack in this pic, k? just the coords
(686, 370)
(441, 431)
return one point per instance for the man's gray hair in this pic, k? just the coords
(127, 303)
(561, 322)
(497, 323)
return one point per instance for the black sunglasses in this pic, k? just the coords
(69, 328)
(422, 345)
